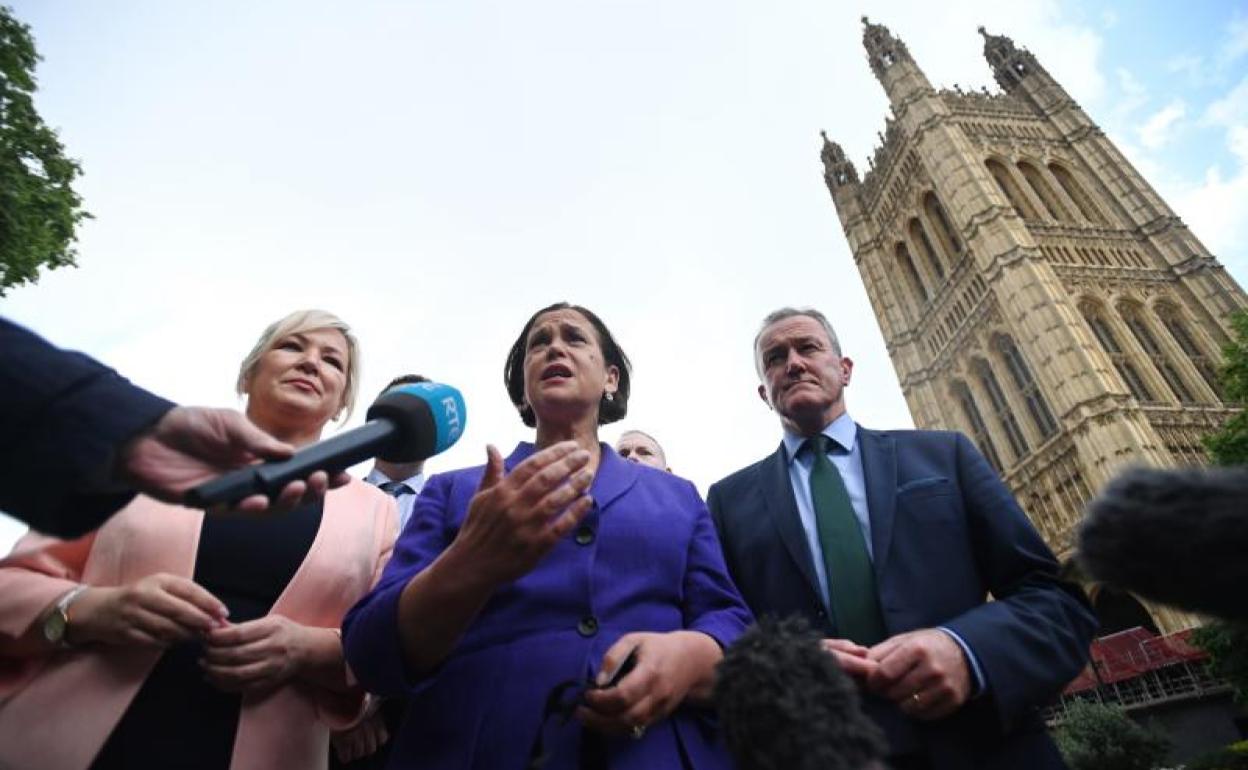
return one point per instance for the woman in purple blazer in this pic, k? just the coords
(562, 564)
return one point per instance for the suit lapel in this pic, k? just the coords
(879, 468)
(615, 477)
(782, 507)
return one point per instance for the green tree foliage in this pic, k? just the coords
(39, 210)
(1233, 757)
(1227, 643)
(1229, 445)
(1098, 736)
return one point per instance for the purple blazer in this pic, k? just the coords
(646, 558)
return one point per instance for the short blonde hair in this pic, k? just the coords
(299, 322)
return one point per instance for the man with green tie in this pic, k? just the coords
(891, 542)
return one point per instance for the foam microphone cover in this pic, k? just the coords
(429, 416)
(785, 704)
(1175, 536)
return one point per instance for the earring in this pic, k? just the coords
(608, 397)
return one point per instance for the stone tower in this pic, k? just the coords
(1033, 290)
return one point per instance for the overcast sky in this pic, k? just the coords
(434, 172)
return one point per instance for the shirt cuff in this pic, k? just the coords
(977, 671)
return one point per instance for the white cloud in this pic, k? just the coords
(1156, 131)
(1236, 43)
(1231, 109)
(1190, 66)
(1215, 206)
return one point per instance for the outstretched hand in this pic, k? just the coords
(192, 445)
(514, 519)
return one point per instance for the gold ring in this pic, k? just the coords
(638, 731)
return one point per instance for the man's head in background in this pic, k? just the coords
(641, 448)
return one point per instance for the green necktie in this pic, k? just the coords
(851, 581)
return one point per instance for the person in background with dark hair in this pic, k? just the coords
(402, 481)
(641, 447)
(366, 746)
(561, 581)
(78, 441)
(890, 543)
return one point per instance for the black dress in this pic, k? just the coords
(177, 721)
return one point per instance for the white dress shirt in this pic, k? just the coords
(406, 500)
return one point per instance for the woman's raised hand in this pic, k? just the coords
(515, 519)
(157, 610)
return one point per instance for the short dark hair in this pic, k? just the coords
(612, 354)
(404, 379)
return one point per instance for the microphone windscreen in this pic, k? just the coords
(785, 704)
(1174, 536)
(430, 416)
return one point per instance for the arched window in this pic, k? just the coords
(940, 223)
(1131, 316)
(1182, 337)
(979, 431)
(1005, 415)
(1027, 388)
(1045, 193)
(1005, 180)
(1109, 343)
(1077, 194)
(919, 237)
(906, 264)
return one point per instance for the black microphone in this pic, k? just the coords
(405, 424)
(1175, 536)
(785, 704)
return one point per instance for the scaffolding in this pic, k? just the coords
(1137, 669)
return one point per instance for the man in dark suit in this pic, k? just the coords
(892, 542)
(77, 441)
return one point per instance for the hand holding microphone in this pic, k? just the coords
(408, 423)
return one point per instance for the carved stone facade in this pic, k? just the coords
(1033, 290)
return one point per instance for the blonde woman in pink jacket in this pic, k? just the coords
(170, 639)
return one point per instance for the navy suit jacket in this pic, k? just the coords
(62, 417)
(946, 533)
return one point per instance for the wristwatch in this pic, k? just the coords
(56, 624)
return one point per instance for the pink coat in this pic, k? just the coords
(56, 711)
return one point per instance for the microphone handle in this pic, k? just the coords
(332, 455)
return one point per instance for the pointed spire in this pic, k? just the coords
(883, 49)
(1009, 63)
(838, 171)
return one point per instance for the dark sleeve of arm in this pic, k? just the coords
(1034, 638)
(62, 417)
(712, 603)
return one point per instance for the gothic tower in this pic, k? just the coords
(1033, 290)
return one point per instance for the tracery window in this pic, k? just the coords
(1104, 334)
(906, 264)
(1077, 194)
(1005, 180)
(940, 223)
(919, 236)
(1001, 407)
(1182, 337)
(1045, 193)
(979, 430)
(1037, 407)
